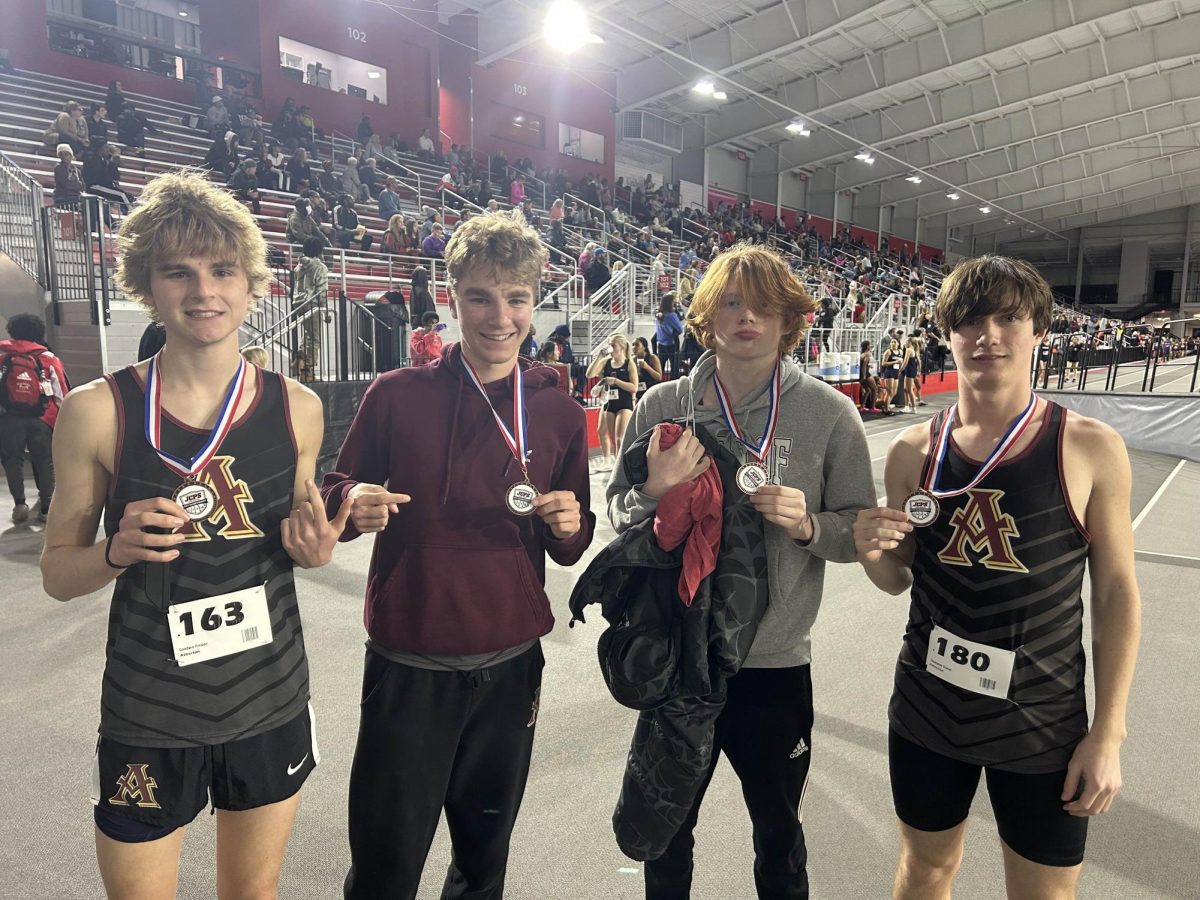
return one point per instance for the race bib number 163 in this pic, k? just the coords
(212, 627)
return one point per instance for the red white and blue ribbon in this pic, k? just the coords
(1015, 430)
(518, 442)
(188, 468)
(762, 449)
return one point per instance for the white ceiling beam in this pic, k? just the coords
(771, 34)
(971, 41)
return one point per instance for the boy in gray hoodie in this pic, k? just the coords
(808, 471)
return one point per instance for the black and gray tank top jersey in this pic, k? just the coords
(147, 699)
(1003, 565)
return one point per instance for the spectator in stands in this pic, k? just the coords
(516, 191)
(351, 183)
(319, 210)
(532, 218)
(365, 131)
(432, 217)
(420, 301)
(97, 127)
(557, 237)
(306, 129)
(328, 183)
(299, 172)
(668, 333)
(217, 117)
(68, 185)
(310, 298)
(434, 246)
(371, 177)
(244, 184)
(102, 177)
(597, 273)
(395, 239)
(557, 213)
(585, 257)
(285, 128)
(425, 345)
(115, 100)
(529, 346)
(131, 129)
(346, 228)
(426, 149)
(274, 155)
(28, 411)
(826, 316)
(63, 131)
(374, 148)
(389, 200)
(301, 226)
(222, 155)
(453, 157)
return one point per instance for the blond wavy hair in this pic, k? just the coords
(183, 214)
(503, 243)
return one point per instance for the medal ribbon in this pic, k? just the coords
(188, 468)
(762, 449)
(517, 443)
(1015, 430)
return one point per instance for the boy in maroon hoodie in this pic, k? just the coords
(32, 385)
(466, 505)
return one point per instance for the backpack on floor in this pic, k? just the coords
(23, 383)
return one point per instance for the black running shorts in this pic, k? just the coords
(932, 792)
(144, 793)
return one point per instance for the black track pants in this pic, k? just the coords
(765, 731)
(434, 740)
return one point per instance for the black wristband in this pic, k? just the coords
(107, 558)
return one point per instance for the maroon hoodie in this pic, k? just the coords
(455, 572)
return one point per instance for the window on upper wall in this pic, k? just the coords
(520, 127)
(580, 143)
(332, 71)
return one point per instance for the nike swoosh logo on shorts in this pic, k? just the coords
(292, 770)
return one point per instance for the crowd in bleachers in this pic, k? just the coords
(360, 196)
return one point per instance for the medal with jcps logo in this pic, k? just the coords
(922, 506)
(197, 498)
(519, 496)
(753, 475)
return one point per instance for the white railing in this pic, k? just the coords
(21, 221)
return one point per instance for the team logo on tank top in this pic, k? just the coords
(232, 510)
(981, 526)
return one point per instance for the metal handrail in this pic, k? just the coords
(28, 199)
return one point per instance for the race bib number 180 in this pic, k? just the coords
(212, 627)
(973, 667)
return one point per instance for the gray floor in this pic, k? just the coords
(1147, 847)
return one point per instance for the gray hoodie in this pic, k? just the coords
(820, 448)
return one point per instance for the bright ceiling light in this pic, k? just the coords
(865, 156)
(915, 179)
(799, 128)
(183, 12)
(985, 209)
(720, 95)
(566, 27)
(372, 74)
(952, 196)
(705, 86)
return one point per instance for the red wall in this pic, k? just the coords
(233, 38)
(928, 252)
(895, 245)
(407, 51)
(25, 37)
(554, 92)
(823, 226)
(454, 91)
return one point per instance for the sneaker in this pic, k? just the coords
(40, 516)
(922, 403)
(20, 513)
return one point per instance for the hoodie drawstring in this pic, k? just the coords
(453, 435)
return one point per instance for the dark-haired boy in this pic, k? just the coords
(994, 510)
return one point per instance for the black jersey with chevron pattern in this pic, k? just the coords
(1003, 565)
(146, 698)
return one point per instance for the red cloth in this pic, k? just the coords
(690, 511)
